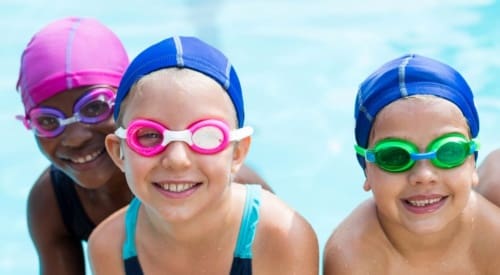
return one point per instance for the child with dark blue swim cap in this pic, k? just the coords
(181, 138)
(416, 129)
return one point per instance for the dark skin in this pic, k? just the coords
(101, 187)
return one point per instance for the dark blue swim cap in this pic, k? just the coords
(183, 52)
(406, 76)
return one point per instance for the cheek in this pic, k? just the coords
(217, 166)
(384, 186)
(107, 126)
(136, 168)
(47, 146)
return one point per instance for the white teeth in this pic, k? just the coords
(171, 187)
(422, 203)
(87, 158)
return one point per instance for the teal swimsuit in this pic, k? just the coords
(242, 261)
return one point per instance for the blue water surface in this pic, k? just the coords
(300, 63)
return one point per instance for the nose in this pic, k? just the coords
(423, 172)
(75, 135)
(176, 155)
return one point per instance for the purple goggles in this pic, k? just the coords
(92, 108)
(149, 138)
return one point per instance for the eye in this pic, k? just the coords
(452, 152)
(393, 156)
(148, 137)
(95, 108)
(47, 123)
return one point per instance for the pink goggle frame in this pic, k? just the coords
(210, 136)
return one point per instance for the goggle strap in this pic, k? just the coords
(25, 121)
(121, 133)
(169, 136)
(366, 154)
(474, 146)
(240, 133)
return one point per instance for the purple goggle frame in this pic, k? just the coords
(95, 106)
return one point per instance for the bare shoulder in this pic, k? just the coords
(357, 244)
(42, 205)
(484, 250)
(105, 244)
(285, 242)
(489, 177)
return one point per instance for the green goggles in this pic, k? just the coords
(399, 155)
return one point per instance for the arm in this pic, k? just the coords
(334, 260)
(285, 242)
(105, 245)
(247, 175)
(489, 177)
(58, 251)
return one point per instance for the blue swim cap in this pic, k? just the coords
(406, 76)
(183, 52)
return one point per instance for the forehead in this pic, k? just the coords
(418, 118)
(65, 99)
(173, 93)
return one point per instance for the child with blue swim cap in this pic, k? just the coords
(69, 72)
(181, 138)
(416, 129)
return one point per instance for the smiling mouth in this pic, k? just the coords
(176, 187)
(425, 202)
(87, 158)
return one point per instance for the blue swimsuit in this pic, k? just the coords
(242, 261)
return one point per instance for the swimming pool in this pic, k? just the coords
(299, 64)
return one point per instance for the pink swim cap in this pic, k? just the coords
(67, 54)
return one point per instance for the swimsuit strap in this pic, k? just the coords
(249, 222)
(128, 249)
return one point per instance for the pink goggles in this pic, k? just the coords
(92, 108)
(210, 136)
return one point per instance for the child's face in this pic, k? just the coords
(178, 182)
(424, 199)
(79, 150)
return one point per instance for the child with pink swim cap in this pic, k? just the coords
(69, 73)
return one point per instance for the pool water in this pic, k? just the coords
(300, 63)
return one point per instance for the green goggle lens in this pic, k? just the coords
(399, 155)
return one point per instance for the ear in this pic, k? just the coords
(366, 186)
(113, 146)
(475, 178)
(239, 154)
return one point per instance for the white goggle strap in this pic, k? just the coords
(240, 133)
(121, 133)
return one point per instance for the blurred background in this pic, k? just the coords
(300, 63)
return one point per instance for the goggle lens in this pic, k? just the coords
(208, 137)
(451, 154)
(393, 158)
